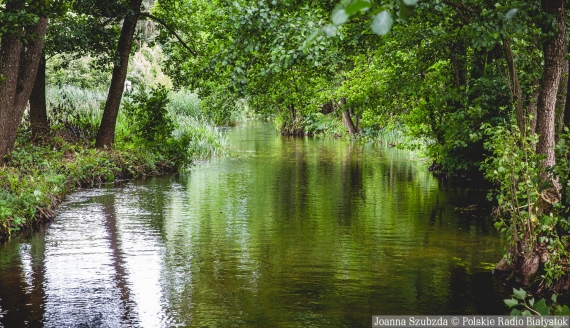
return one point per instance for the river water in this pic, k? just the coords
(283, 232)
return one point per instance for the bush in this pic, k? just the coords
(148, 115)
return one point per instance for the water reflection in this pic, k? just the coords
(285, 232)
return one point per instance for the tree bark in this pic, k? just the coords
(554, 52)
(106, 134)
(347, 121)
(567, 107)
(346, 117)
(515, 86)
(38, 111)
(561, 96)
(18, 67)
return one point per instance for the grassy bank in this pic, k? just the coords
(38, 174)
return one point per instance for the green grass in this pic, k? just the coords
(37, 176)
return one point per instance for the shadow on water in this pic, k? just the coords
(284, 232)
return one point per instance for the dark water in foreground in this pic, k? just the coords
(284, 232)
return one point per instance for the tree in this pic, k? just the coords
(554, 49)
(20, 54)
(106, 135)
(89, 27)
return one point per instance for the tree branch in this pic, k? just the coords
(163, 23)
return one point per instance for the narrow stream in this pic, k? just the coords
(284, 232)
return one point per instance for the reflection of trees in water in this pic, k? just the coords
(22, 285)
(118, 258)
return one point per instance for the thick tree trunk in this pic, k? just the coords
(515, 86)
(38, 111)
(106, 135)
(554, 51)
(18, 67)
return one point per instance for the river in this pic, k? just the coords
(283, 232)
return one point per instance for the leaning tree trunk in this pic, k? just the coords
(38, 112)
(18, 67)
(347, 118)
(106, 135)
(347, 121)
(554, 51)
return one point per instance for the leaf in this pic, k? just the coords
(311, 39)
(357, 6)
(410, 2)
(330, 30)
(511, 302)
(541, 307)
(382, 23)
(519, 293)
(564, 310)
(554, 298)
(339, 17)
(511, 13)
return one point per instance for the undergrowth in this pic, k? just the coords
(153, 137)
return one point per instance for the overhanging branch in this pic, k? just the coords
(171, 30)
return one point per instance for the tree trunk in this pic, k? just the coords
(554, 52)
(515, 86)
(38, 112)
(18, 67)
(347, 121)
(566, 118)
(561, 97)
(106, 135)
(346, 117)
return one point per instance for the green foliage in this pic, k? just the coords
(148, 115)
(223, 107)
(75, 112)
(523, 304)
(323, 125)
(145, 68)
(529, 226)
(63, 70)
(184, 102)
(36, 177)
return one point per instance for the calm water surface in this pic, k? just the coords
(285, 232)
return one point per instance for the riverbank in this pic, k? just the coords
(37, 176)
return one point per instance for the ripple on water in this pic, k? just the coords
(288, 232)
